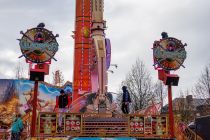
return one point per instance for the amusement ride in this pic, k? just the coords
(92, 59)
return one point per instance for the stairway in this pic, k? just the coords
(182, 132)
(109, 127)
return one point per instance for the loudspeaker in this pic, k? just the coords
(171, 79)
(36, 76)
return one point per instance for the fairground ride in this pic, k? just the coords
(92, 56)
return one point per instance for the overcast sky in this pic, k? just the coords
(133, 25)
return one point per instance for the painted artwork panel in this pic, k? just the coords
(16, 97)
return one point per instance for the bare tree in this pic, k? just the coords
(58, 79)
(202, 88)
(160, 92)
(138, 82)
(202, 91)
(19, 73)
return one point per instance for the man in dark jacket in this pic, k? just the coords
(126, 100)
(62, 104)
(62, 100)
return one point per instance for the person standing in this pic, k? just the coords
(62, 104)
(62, 101)
(17, 127)
(126, 100)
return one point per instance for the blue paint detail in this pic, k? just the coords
(21, 88)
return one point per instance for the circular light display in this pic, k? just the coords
(169, 53)
(38, 45)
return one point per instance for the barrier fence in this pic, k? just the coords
(101, 125)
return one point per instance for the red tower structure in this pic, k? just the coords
(92, 54)
(82, 49)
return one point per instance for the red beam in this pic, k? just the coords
(170, 110)
(33, 121)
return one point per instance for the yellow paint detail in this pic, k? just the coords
(86, 32)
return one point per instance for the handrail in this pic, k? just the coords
(183, 132)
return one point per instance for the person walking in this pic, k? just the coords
(17, 127)
(126, 100)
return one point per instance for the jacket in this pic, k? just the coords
(126, 96)
(62, 101)
(17, 126)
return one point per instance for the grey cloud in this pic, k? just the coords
(134, 33)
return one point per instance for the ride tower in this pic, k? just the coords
(92, 52)
(82, 49)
